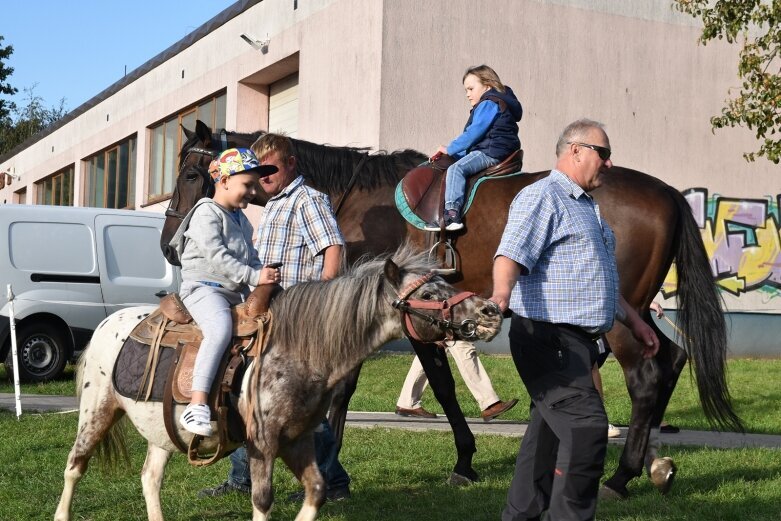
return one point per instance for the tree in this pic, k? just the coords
(30, 119)
(5, 88)
(756, 24)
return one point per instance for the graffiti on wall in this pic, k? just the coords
(743, 242)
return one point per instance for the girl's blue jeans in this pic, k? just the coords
(459, 172)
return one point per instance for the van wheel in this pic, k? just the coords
(42, 352)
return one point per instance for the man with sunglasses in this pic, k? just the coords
(556, 270)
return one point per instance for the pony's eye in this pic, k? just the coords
(427, 295)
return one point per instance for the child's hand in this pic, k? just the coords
(269, 276)
(441, 151)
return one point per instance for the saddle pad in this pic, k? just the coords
(130, 366)
(413, 215)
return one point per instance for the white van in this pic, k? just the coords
(70, 268)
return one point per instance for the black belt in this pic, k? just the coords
(593, 337)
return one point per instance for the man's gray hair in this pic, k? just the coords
(576, 131)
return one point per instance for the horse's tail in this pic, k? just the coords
(701, 319)
(112, 450)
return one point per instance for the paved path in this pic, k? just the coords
(47, 403)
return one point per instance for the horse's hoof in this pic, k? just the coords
(457, 480)
(608, 494)
(662, 474)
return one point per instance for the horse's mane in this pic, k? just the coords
(325, 320)
(330, 168)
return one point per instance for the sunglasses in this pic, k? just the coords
(602, 152)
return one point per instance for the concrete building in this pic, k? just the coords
(387, 74)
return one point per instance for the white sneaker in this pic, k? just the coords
(196, 418)
(454, 226)
(613, 431)
(432, 227)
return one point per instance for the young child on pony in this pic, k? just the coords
(489, 137)
(219, 263)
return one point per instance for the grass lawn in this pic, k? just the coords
(753, 384)
(396, 475)
(400, 474)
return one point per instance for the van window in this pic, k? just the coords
(51, 247)
(123, 258)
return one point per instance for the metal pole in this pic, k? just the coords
(14, 355)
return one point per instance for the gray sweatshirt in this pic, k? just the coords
(213, 247)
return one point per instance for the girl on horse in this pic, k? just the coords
(489, 137)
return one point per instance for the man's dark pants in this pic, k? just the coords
(562, 453)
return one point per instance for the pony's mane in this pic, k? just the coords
(330, 168)
(326, 320)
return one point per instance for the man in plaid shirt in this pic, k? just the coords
(298, 229)
(556, 270)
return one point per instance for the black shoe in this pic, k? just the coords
(223, 488)
(453, 220)
(669, 429)
(334, 494)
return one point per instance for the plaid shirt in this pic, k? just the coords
(297, 225)
(554, 230)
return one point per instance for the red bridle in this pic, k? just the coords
(406, 306)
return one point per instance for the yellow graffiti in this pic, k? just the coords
(739, 267)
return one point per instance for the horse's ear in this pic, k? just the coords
(204, 132)
(188, 133)
(392, 272)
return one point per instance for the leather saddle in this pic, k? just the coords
(156, 364)
(420, 194)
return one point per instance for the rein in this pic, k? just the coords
(407, 307)
(356, 170)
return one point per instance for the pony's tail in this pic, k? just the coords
(701, 319)
(111, 452)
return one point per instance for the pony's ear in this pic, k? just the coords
(392, 272)
(204, 132)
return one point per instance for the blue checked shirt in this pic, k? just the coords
(555, 230)
(295, 228)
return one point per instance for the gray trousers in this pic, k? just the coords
(210, 308)
(562, 454)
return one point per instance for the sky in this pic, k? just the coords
(75, 49)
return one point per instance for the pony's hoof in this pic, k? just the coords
(662, 474)
(457, 480)
(608, 494)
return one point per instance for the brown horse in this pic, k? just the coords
(653, 225)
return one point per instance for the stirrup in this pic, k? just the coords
(450, 261)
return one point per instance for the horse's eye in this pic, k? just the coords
(192, 176)
(427, 295)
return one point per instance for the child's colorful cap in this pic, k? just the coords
(238, 161)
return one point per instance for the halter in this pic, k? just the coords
(466, 329)
(171, 211)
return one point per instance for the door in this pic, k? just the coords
(283, 106)
(133, 270)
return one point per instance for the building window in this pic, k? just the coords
(167, 140)
(111, 176)
(56, 189)
(20, 196)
